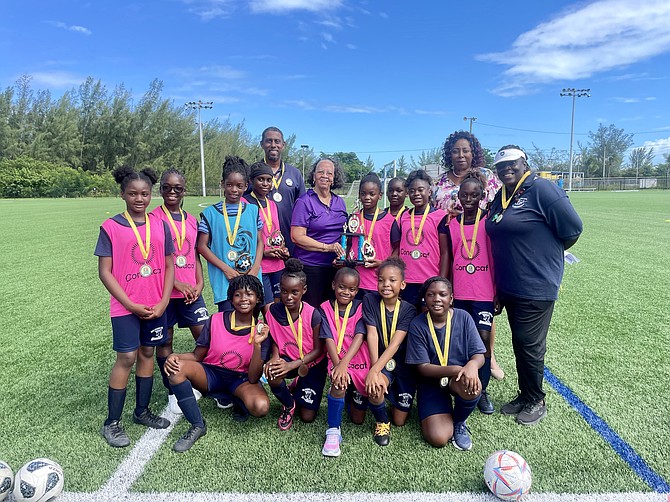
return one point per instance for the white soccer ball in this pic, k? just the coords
(6, 480)
(507, 475)
(38, 481)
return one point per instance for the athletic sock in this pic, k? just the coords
(116, 398)
(161, 367)
(379, 412)
(188, 404)
(284, 396)
(463, 408)
(143, 387)
(485, 373)
(335, 409)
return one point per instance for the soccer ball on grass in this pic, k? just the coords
(38, 481)
(6, 480)
(507, 475)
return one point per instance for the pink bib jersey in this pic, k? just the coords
(473, 277)
(141, 279)
(422, 259)
(268, 265)
(227, 349)
(286, 342)
(381, 242)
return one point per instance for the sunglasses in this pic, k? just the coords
(169, 188)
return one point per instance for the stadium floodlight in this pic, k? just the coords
(575, 93)
(471, 119)
(199, 105)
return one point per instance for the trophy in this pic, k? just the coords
(353, 241)
(243, 263)
(275, 240)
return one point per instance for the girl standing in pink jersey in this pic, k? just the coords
(471, 265)
(134, 263)
(187, 307)
(423, 241)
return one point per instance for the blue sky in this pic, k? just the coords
(380, 78)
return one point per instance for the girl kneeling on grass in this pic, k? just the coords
(135, 265)
(387, 319)
(297, 350)
(446, 347)
(228, 358)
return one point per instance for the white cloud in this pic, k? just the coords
(282, 6)
(660, 146)
(633, 100)
(352, 47)
(583, 41)
(57, 79)
(429, 112)
(328, 38)
(74, 27)
(210, 9)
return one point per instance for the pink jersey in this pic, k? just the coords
(422, 259)
(360, 363)
(228, 350)
(381, 241)
(127, 260)
(268, 265)
(184, 271)
(473, 278)
(284, 339)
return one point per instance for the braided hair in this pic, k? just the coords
(250, 282)
(235, 164)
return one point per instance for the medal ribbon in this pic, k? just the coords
(180, 238)
(394, 322)
(267, 214)
(470, 251)
(298, 335)
(341, 330)
(397, 216)
(144, 249)
(372, 225)
(506, 200)
(238, 328)
(443, 356)
(417, 236)
(276, 182)
(231, 238)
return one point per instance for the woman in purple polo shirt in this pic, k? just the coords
(317, 224)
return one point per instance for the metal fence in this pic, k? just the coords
(623, 183)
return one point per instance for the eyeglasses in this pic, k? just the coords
(170, 188)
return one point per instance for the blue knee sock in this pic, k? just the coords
(485, 373)
(284, 396)
(335, 409)
(161, 367)
(116, 398)
(463, 408)
(143, 387)
(187, 403)
(379, 411)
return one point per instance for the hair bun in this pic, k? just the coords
(293, 265)
(121, 172)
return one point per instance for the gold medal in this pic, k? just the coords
(390, 365)
(251, 328)
(394, 323)
(416, 254)
(232, 234)
(180, 237)
(470, 250)
(181, 261)
(444, 382)
(504, 200)
(303, 370)
(297, 334)
(277, 197)
(416, 234)
(232, 255)
(145, 248)
(470, 268)
(145, 270)
(259, 327)
(265, 212)
(442, 353)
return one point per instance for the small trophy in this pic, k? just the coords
(352, 241)
(275, 240)
(243, 263)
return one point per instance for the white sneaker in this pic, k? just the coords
(197, 394)
(173, 404)
(331, 448)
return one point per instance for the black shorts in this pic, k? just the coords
(481, 312)
(431, 399)
(355, 398)
(129, 332)
(308, 391)
(186, 315)
(223, 381)
(402, 386)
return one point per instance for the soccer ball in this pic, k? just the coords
(38, 481)
(507, 475)
(6, 480)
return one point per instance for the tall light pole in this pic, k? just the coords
(575, 93)
(471, 119)
(199, 105)
(304, 149)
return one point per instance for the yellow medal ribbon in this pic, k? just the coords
(238, 328)
(506, 200)
(343, 328)
(276, 182)
(267, 214)
(232, 235)
(144, 248)
(394, 322)
(470, 251)
(443, 355)
(397, 216)
(372, 225)
(417, 236)
(298, 335)
(180, 238)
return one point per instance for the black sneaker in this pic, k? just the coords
(150, 420)
(383, 433)
(532, 413)
(193, 433)
(222, 403)
(240, 413)
(514, 407)
(115, 435)
(484, 404)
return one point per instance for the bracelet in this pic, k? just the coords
(324, 246)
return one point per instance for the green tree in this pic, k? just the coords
(640, 162)
(553, 160)
(605, 151)
(432, 156)
(354, 169)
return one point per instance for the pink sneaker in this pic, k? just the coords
(331, 448)
(286, 417)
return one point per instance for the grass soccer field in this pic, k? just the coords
(607, 355)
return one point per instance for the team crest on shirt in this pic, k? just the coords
(231, 360)
(186, 247)
(520, 203)
(464, 254)
(290, 344)
(157, 334)
(136, 254)
(308, 395)
(410, 239)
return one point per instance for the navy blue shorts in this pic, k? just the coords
(481, 312)
(402, 386)
(129, 332)
(355, 398)
(223, 381)
(271, 286)
(308, 391)
(431, 399)
(193, 314)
